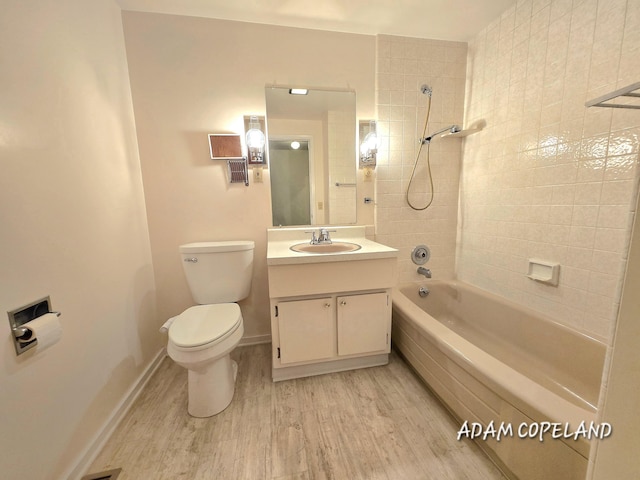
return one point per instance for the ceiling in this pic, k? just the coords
(458, 20)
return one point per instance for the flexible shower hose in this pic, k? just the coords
(415, 164)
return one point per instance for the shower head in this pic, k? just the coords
(450, 129)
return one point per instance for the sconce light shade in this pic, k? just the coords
(256, 140)
(369, 144)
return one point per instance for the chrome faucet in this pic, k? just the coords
(324, 236)
(424, 271)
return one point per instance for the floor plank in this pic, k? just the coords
(378, 423)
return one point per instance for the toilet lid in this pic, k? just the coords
(204, 324)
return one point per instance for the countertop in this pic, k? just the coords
(281, 239)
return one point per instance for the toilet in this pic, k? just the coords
(202, 337)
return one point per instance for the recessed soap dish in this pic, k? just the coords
(543, 271)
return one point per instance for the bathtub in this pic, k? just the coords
(491, 360)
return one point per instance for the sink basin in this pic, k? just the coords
(335, 247)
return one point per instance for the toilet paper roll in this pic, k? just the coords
(165, 326)
(46, 329)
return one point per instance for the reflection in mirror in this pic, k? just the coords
(316, 185)
(291, 168)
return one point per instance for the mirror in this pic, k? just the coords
(312, 156)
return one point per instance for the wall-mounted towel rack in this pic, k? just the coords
(630, 91)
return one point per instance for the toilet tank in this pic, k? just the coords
(218, 272)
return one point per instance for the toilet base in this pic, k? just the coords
(211, 389)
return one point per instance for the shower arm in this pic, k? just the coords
(451, 129)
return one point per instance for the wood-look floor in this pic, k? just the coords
(374, 423)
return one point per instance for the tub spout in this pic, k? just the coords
(424, 271)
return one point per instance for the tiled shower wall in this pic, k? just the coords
(548, 178)
(403, 66)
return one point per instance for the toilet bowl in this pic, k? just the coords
(202, 337)
(201, 340)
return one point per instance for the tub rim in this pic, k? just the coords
(527, 310)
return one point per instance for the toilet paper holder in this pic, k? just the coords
(20, 317)
(23, 334)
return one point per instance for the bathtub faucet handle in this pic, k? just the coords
(424, 271)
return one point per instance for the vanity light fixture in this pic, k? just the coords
(369, 143)
(295, 145)
(298, 91)
(255, 139)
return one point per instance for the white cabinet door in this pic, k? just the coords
(307, 330)
(364, 323)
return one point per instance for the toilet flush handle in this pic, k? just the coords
(192, 260)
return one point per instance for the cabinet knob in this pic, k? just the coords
(327, 305)
(343, 302)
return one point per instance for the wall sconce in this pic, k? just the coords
(368, 144)
(255, 139)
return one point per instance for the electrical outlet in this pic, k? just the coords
(257, 175)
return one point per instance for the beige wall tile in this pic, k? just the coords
(582, 163)
(442, 65)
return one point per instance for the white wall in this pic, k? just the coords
(194, 76)
(73, 227)
(549, 178)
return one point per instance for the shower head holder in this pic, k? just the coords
(450, 129)
(426, 90)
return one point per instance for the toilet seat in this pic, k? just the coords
(205, 325)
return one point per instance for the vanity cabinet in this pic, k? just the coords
(325, 328)
(330, 311)
(330, 316)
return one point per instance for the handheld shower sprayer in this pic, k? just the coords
(426, 90)
(451, 129)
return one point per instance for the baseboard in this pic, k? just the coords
(331, 366)
(100, 438)
(255, 340)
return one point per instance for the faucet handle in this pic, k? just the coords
(314, 239)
